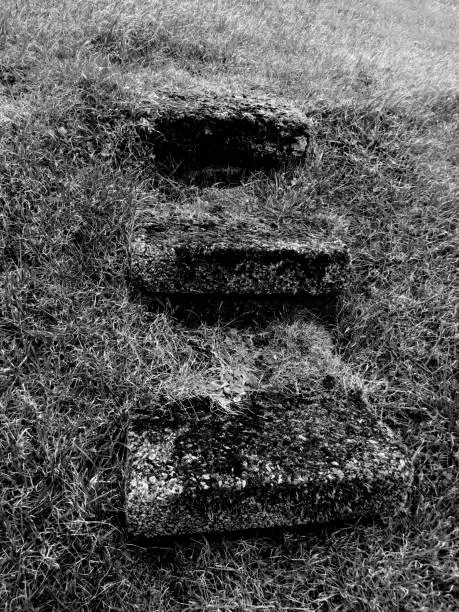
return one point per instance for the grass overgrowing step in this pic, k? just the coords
(271, 460)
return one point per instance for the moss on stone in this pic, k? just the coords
(271, 460)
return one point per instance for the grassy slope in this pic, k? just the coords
(378, 80)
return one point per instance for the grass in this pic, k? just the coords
(378, 79)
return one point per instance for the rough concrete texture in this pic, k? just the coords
(216, 256)
(206, 131)
(269, 460)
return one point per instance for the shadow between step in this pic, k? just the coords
(320, 531)
(237, 310)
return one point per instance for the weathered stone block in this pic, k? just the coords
(180, 256)
(271, 460)
(208, 131)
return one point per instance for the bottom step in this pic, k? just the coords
(269, 460)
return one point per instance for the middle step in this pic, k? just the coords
(183, 254)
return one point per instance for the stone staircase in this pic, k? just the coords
(296, 444)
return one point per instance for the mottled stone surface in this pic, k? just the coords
(269, 460)
(208, 131)
(183, 256)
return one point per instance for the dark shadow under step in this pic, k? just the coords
(239, 311)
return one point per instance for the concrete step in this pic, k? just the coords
(218, 255)
(280, 436)
(271, 460)
(201, 132)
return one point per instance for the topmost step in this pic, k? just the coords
(219, 135)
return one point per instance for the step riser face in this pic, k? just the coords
(276, 461)
(232, 271)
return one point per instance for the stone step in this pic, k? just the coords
(279, 436)
(179, 255)
(205, 131)
(269, 461)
